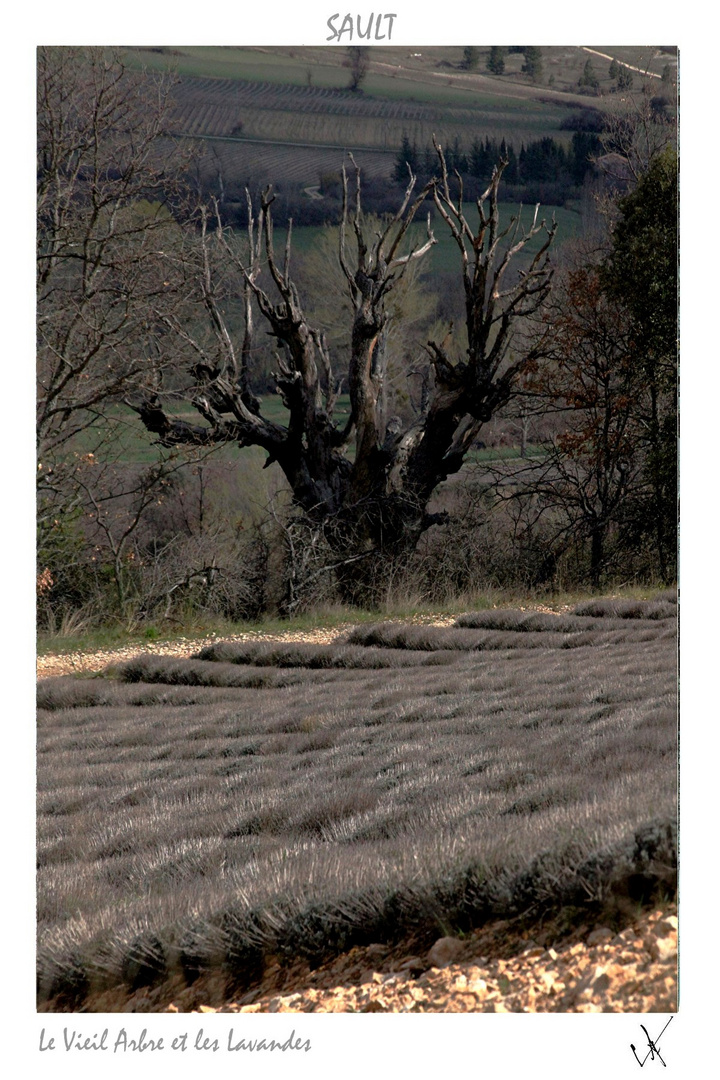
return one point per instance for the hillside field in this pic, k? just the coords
(284, 114)
(263, 802)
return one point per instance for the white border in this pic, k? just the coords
(427, 1046)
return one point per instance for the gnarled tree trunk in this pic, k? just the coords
(374, 505)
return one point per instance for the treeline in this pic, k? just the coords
(544, 170)
(545, 162)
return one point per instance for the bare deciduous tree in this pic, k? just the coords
(107, 172)
(375, 500)
(358, 60)
(590, 471)
(636, 130)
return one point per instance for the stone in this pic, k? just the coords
(666, 948)
(291, 999)
(414, 965)
(667, 925)
(601, 982)
(533, 950)
(444, 952)
(478, 987)
(601, 936)
(374, 1006)
(661, 948)
(338, 1005)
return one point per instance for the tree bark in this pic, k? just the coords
(375, 506)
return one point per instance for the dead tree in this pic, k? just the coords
(376, 501)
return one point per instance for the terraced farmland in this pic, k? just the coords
(320, 115)
(273, 130)
(286, 115)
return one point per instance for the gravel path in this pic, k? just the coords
(90, 661)
(85, 662)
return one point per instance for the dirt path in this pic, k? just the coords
(85, 662)
(621, 63)
(90, 661)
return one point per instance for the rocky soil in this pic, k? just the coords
(497, 969)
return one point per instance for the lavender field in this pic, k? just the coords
(264, 801)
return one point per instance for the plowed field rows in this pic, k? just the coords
(317, 114)
(304, 99)
(273, 162)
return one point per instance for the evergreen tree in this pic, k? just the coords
(614, 70)
(407, 155)
(588, 77)
(533, 63)
(543, 161)
(471, 57)
(456, 159)
(483, 155)
(496, 60)
(585, 145)
(642, 272)
(512, 174)
(625, 79)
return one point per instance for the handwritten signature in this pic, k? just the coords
(654, 1047)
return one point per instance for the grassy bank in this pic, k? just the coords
(116, 634)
